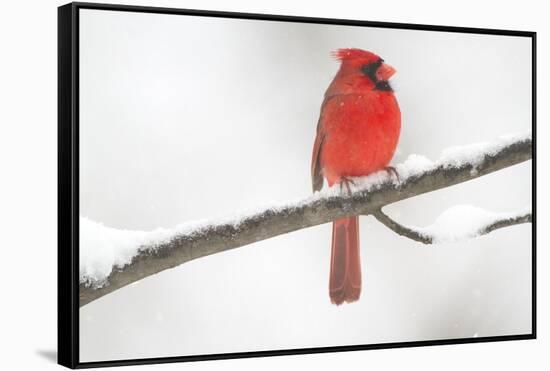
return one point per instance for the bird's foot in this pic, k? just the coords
(392, 171)
(345, 182)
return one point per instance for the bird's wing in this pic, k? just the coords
(316, 169)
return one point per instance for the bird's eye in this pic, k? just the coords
(370, 69)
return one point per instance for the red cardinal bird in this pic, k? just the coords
(357, 134)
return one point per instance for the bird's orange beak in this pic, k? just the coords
(384, 72)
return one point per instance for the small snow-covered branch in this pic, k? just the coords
(456, 224)
(152, 252)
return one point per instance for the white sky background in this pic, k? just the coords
(185, 118)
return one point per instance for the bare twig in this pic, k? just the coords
(310, 211)
(400, 229)
(427, 239)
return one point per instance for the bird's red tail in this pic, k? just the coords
(345, 265)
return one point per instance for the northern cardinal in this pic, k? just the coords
(357, 134)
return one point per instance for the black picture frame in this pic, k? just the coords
(68, 182)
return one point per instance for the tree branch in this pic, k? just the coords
(426, 238)
(400, 229)
(370, 196)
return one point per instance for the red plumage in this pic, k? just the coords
(357, 134)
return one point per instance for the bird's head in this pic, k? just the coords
(366, 66)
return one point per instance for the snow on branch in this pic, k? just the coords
(459, 223)
(111, 258)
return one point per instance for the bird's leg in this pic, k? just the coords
(345, 181)
(392, 171)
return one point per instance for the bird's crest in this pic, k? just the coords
(346, 54)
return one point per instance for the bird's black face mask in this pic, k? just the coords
(370, 71)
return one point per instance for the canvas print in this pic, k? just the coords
(253, 185)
